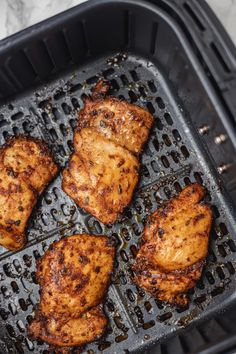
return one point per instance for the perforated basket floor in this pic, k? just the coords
(174, 157)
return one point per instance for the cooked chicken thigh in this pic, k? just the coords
(123, 123)
(74, 275)
(101, 175)
(103, 171)
(26, 168)
(174, 246)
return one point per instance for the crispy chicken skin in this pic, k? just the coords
(174, 246)
(103, 171)
(26, 168)
(101, 175)
(73, 275)
(123, 123)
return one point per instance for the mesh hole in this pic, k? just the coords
(73, 123)
(164, 317)
(230, 268)
(148, 325)
(36, 254)
(28, 126)
(184, 151)
(124, 256)
(217, 291)
(23, 304)
(155, 166)
(142, 92)
(177, 187)
(210, 278)
(231, 245)
(220, 273)
(166, 139)
(175, 156)
(75, 88)
(122, 277)
(150, 107)
(130, 295)
(75, 103)
(156, 144)
(3, 122)
(187, 181)
(108, 72)
(159, 124)
(56, 114)
(134, 75)
(134, 251)
(167, 192)
(20, 325)
(165, 162)
(176, 135)
(200, 299)
(223, 229)
(139, 314)
(15, 287)
(121, 338)
(63, 129)
(59, 95)
(114, 85)
(215, 211)
(124, 80)
(144, 171)
(46, 118)
(133, 96)
(152, 86)
(66, 108)
(92, 80)
(148, 306)
(168, 119)
(198, 177)
(222, 251)
(104, 345)
(17, 116)
(160, 103)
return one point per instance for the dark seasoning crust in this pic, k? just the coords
(186, 223)
(123, 129)
(57, 255)
(21, 158)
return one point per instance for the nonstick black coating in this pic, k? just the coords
(173, 158)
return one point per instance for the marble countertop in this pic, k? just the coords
(18, 14)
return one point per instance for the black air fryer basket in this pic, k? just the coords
(173, 58)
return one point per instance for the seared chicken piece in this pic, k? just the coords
(174, 246)
(123, 123)
(26, 168)
(103, 171)
(74, 275)
(101, 176)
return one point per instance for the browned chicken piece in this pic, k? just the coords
(123, 123)
(26, 168)
(73, 275)
(103, 172)
(174, 246)
(101, 176)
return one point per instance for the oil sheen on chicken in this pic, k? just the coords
(103, 171)
(26, 168)
(174, 246)
(73, 275)
(123, 123)
(101, 175)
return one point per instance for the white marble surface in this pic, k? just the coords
(18, 14)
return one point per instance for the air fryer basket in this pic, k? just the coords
(149, 61)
